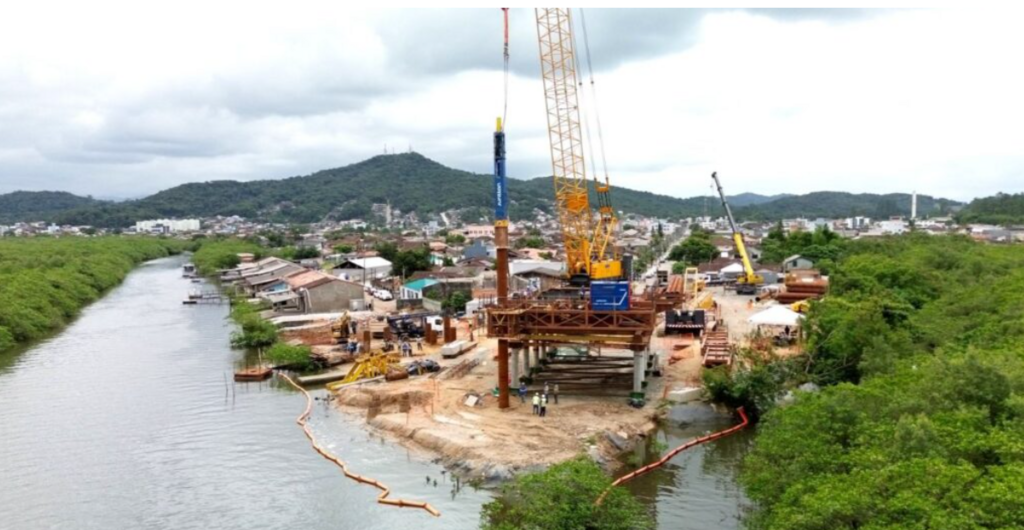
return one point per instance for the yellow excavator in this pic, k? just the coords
(340, 329)
(589, 243)
(750, 281)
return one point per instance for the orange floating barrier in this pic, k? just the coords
(668, 456)
(385, 491)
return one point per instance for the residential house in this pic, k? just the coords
(414, 289)
(796, 261)
(320, 292)
(536, 275)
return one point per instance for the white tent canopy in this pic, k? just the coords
(735, 268)
(776, 315)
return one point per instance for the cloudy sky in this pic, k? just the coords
(122, 100)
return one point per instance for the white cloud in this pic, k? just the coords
(127, 99)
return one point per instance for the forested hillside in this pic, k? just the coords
(414, 183)
(1001, 209)
(44, 282)
(409, 181)
(35, 205)
(833, 204)
(921, 419)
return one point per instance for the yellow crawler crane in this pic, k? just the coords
(367, 366)
(589, 244)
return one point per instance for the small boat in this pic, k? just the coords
(254, 373)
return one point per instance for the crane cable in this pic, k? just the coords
(580, 94)
(593, 96)
(504, 112)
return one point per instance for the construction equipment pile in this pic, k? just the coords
(803, 285)
(716, 349)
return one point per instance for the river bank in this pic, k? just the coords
(45, 282)
(128, 419)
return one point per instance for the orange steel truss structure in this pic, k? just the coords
(572, 322)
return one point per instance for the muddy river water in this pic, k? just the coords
(128, 419)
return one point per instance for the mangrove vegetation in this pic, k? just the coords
(920, 418)
(45, 281)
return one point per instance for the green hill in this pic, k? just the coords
(38, 205)
(834, 204)
(411, 182)
(1001, 209)
(748, 199)
(414, 183)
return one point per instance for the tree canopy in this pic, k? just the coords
(920, 422)
(694, 250)
(1000, 209)
(45, 282)
(562, 497)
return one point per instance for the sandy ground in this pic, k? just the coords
(484, 441)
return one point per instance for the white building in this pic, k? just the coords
(363, 270)
(892, 226)
(167, 225)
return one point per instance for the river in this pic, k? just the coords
(128, 419)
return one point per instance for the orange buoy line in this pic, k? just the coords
(668, 456)
(384, 490)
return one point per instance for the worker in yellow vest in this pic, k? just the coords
(536, 403)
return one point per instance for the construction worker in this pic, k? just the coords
(536, 403)
(556, 393)
(547, 390)
(543, 405)
(522, 392)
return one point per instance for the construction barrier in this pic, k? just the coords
(384, 490)
(668, 456)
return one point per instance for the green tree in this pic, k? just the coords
(253, 332)
(295, 357)
(305, 252)
(343, 248)
(563, 497)
(45, 281)
(406, 262)
(918, 424)
(455, 302)
(530, 242)
(694, 250)
(387, 250)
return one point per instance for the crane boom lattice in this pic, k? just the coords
(587, 246)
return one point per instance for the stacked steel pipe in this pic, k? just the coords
(802, 285)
